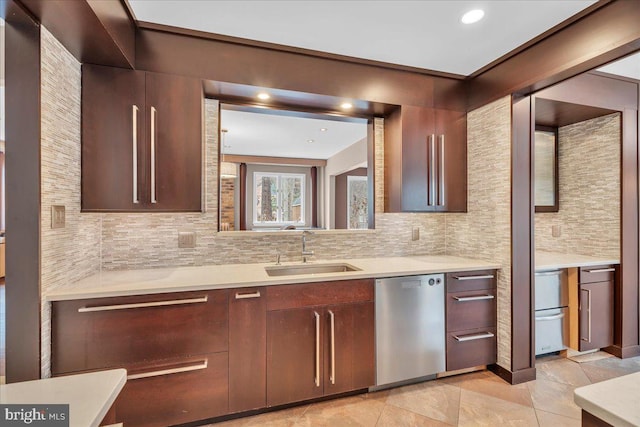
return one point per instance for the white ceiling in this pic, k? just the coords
(423, 34)
(626, 67)
(259, 134)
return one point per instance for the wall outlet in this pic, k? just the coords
(57, 216)
(556, 231)
(186, 239)
(415, 233)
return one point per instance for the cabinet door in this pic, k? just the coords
(451, 149)
(247, 349)
(418, 159)
(174, 115)
(349, 347)
(596, 315)
(113, 139)
(294, 353)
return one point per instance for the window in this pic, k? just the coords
(357, 188)
(278, 198)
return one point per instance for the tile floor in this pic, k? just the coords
(475, 399)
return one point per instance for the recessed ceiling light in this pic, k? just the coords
(346, 105)
(472, 16)
(264, 96)
(310, 141)
(323, 129)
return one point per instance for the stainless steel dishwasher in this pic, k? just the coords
(410, 329)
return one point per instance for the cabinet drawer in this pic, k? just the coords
(322, 293)
(471, 309)
(112, 332)
(175, 392)
(471, 348)
(471, 280)
(601, 273)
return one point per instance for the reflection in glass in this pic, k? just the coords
(545, 178)
(279, 199)
(357, 202)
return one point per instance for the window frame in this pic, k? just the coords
(279, 176)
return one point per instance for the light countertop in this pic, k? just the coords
(178, 279)
(89, 396)
(556, 260)
(614, 401)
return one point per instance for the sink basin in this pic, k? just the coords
(294, 270)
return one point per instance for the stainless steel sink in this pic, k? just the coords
(294, 270)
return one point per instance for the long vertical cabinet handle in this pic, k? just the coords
(588, 315)
(134, 143)
(432, 170)
(317, 376)
(332, 377)
(441, 170)
(153, 154)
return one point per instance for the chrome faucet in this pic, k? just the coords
(305, 252)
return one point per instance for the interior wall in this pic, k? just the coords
(589, 191)
(484, 232)
(73, 252)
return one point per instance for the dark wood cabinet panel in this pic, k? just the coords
(596, 315)
(175, 391)
(351, 364)
(294, 353)
(112, 99)
(471, 309)
(466, 349)
(471, 280)
(320, 293)
(174, 112)
(602, 273)
(112, 332)
(141, 125)
(247, 349)
(425, 160)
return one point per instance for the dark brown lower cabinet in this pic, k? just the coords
(318, 351)
(316, 345)
(471, 319)
(175, 392)
(596, 315)
(247, 349)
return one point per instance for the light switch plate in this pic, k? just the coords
(186, 239)
(556, 231)
(57, 216)
(415, 233)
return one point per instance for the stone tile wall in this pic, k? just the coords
(73, 252)
(485, 230)
(589, 190)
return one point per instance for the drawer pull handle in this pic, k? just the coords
(332, 376)
(476, 298)
(134, 140)
(474, 337)
(601, 270)
(143, 304)
(554, 317)
(255, 294)
(462, 278)
(549, 273)
(316, 378)
(201, 365)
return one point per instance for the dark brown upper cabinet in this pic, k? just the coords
(141, 141)
(425, 160)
